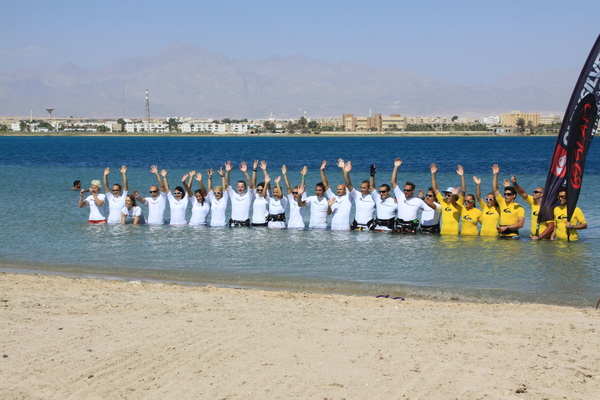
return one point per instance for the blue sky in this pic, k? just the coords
(469, 42)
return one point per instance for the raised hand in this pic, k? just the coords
(397, 162)
(198, 176)
(106, 171)
(460, 170)
(340, 163)
(476, 180)
(153, 169)
(323, 164)
(123, 169)
(163, 173)
(228, 166)
(495, 169)
(284, 169)
(348, 166)
(263, 165)
(243, 166)
(433, 168)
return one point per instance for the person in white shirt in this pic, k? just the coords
(296, 219)
(200, 207)
(178, 202)
(318, 204)
(157, 202)
(96, 202)
(408, 204)
(340, 204)
(241, 200)
(260, 204)
(363, 201)
(276, 204)
(217, 198)
(115, 197)
(385, 205)
(430, 218)
(131, 212)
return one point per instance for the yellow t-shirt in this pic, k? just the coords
(489, 219)
(509, 213)
(469, 220)
(535, 209)
(560, 217)
(450, 214)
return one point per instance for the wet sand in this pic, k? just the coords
(65, 337)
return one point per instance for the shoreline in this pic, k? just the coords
(82, 338)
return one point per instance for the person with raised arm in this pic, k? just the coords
(450, 201)
(340, 203)
(200, 207)
(115, 197)
(408, 204)
(96, 201)
(157, 202)
(317, 204)
(512, 215)
(537, 228)
(565, 229)
(363, 201)
(296, 220)
(241, 199)
(178, 201)
(430, 217)
(385, 205)
(260, 205)
(490, 211)
(470, 217)
(131, 212)
(217, 198)
(276, 205)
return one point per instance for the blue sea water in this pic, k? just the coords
(44, 230)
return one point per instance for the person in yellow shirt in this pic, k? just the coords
(563, 229)
(490, 211)
(470, 217)
(450, 201)
(537, 229)
(512, 215)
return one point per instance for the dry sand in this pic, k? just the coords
(73, 338)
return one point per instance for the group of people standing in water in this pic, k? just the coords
(448, 212)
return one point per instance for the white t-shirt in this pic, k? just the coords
(156, 209)
(115, 205)
(199, 212)
(217, 209)
(364, 206)
(178, 209)
(408, 208)
(318, 212)
(386, 209)
(136, 211)
(296, 219)
(97, 213)
(430, 216)
(260, 210)
(340, 211)
(277, 206)
(240, 203)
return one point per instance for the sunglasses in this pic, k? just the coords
(409, 190)
(176, 192)
(561, 197)
(153, 191)
(488, 199)
(383, 191)
(294, 192)
(259, 190)
(509, 194)
(537, 191)
(448, 195)
(116, 190)
(217, 192)
(469, 201)
(430, 195)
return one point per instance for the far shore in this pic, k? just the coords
(233, 134)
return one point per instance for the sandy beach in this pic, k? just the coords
(76, 338)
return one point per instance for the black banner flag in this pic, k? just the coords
(574, 138)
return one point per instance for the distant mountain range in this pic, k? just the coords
(187, 81)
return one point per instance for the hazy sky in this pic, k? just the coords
(468, 42)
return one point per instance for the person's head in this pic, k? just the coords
(409, 189)
(154, 191)
(490, 200)
(365, 187)
(130, 201)
(260, 189)
(178, 193)
(277, 193)
(295, 191)
(510, 194)
(117, 190)
(96, 185)
(469, 201)
(218, 192)
(562, 196)
(241, 187)
(448, 196)
(320, 189)
(199, 196)
(77, 184)
(341, 190)
(430, 194)
(384, 191)
(537, 193)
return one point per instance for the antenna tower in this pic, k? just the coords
(147, 106)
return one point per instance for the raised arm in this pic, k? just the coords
(254, 175)
(228, 167)
(209, 174)
(81, 202)
(163, 173)
(433, 169)
(154, 170)
(138, 197)
(198, 178)
(123, 172)
(263, 166)
(477, 187)
(244, 169)
(347, 168)
(463, 185)
(518, 188)
(301, 203)
(397, 164)
(278, 186)
(427, 200)
(372, 172)
(303, 173)
(495, 171)
(186, 182)
(105, 179)
(286, 179)
(323, 177)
